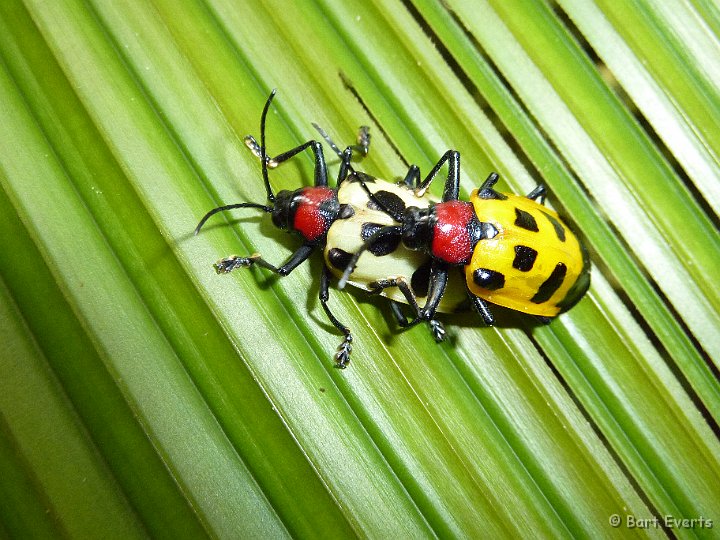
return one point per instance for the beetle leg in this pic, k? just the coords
(320, 166)
(362, 142)
(436, 327)
(481, 306)
(228, 264)
(362, 146)
(400, 317)
(316, 147)
(345, 166)
(538, 192)
(254, 147)
(486, 190)
(380, 285)
(342, 355)
(452, 184)
(377, 287)
(412, 178)
(438, 283)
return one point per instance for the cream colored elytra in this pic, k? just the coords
(346, 237)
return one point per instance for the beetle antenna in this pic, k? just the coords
(390, 230)
(335, 148)
(328, 140)
(230, 207)
(263, 152)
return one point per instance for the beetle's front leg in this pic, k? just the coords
(362, 146)
(228, 264)
(342, 356)
(316, 147)
(538, 193)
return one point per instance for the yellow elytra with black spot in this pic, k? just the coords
(534, 264)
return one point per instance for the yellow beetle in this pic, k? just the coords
(515, 252)
(533, 264)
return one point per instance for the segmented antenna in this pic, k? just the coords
(263, 153)
(328, 140)
(229, 207)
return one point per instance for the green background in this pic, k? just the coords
(143, 395)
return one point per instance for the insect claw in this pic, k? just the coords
(254, 147)
(342, 356)
(438, 330)
(228, 264)
(375, 288)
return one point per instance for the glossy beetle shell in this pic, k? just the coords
(534, 264)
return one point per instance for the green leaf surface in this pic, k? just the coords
(141, 394)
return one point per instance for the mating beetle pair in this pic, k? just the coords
(515, 252)
(401, 242)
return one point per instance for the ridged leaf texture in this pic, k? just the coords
(143, 395)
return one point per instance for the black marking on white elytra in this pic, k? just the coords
(384, 245)
(524, 258)
(550, 285)
(524, 220)
(420, 280)
(346, 211)
(357, 176)
(339, 258)
(559, 229)
(391, 202)
(488, 279)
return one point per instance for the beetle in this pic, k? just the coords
(386, 268)
(338, 220)
(514, 251)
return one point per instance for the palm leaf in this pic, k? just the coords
(141, 394)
